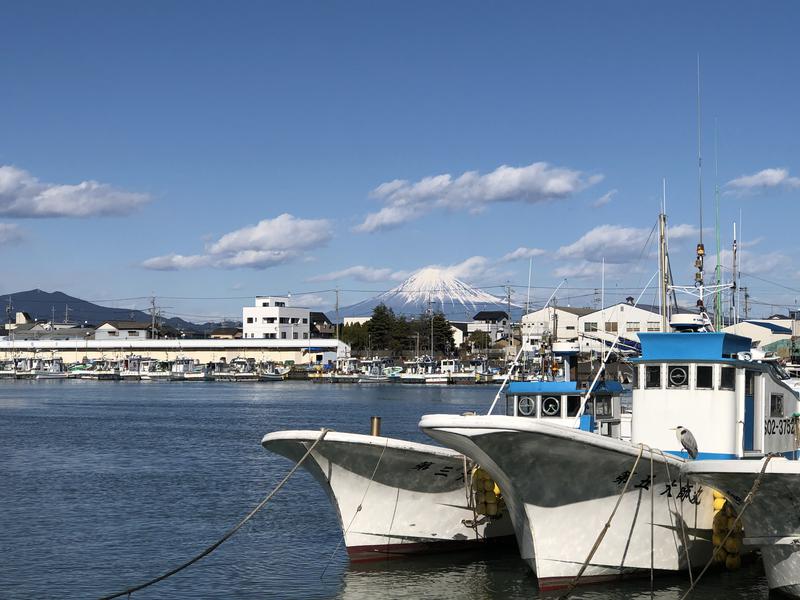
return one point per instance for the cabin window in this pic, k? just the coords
(776, 406)
(705, 377)
(602, 407)
(551, 406)
(573, 405)
(749, 383)
(652, 376)
(526, 406)
(727, 378)
(678, 376)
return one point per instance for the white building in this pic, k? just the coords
(273, 319)
(564, 319)
(621, 319)
(355, 321)
(494, 322)
(122, 330)
(761, 332)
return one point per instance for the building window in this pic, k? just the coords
(652, 376)
(653, 326)
(632, 326)
(249, 319)
(705, 377)
(305, 321)
(113, 333)
(280, 304)
(283, 335)
(612, 326)
(133, 334)
(305, 336)
(265, 304)
(294, 335)
(264, 320)
(295, 320)
(285, 320)
(727, 378)
(590, 326)
(776, 406)
(270, 319)
(266, 336)
(570, 327)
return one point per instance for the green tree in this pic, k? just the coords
(479, 340)
(355, 335)
(381, 328)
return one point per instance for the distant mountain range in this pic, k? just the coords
(435, 289)
(41, 305)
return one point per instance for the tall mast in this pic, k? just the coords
(717, 270)
(662, 259)
(701, 252)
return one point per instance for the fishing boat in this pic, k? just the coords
(271, 372)
(189, 369)
(395, 498)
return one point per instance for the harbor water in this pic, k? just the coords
(104, 485)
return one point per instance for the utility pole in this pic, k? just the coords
(746, 306)
(52, 315)
(66, 313)
(337, 314)
(152, 317)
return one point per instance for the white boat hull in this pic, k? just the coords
(772, 520)
(416, 501)
(561, 486)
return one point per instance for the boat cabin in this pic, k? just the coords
(734, 405)
(560, 402)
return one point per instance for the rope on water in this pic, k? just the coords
(230, 533)
(573, 584)
(748, 499)
(358, 510)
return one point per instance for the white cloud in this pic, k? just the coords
(269, 243)
(310, 301)
(522, 253)
(471, 191)
(23, 195)
(618, 244)
(604, 199)
(9, 233)
(175, 262)
(762, 263)
(761, 181)
(362, 273)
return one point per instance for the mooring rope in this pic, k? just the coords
(684, 538)
(747, 500)
(230, 533)
(573, 584)
(358, 510)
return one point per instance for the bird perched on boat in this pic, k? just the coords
(687, 440)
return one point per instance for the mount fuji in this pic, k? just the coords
(432, 288)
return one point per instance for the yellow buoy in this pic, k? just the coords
(481, 473)
(719, 503)
(488, 485)
(716, 538)
(716, 494)
(720, 524)
(496, 489)
(733, 545)
(490, 497)
(733, 562)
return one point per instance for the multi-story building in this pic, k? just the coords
(600, 328)
(494, 322)
(561, 320)
(272, 318)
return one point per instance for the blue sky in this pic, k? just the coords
(199, 150)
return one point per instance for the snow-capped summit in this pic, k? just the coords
(431, 288)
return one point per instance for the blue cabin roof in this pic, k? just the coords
(692, 346)
(561, 387)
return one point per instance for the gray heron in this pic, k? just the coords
(687, 440)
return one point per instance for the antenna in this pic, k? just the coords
(528, 300)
